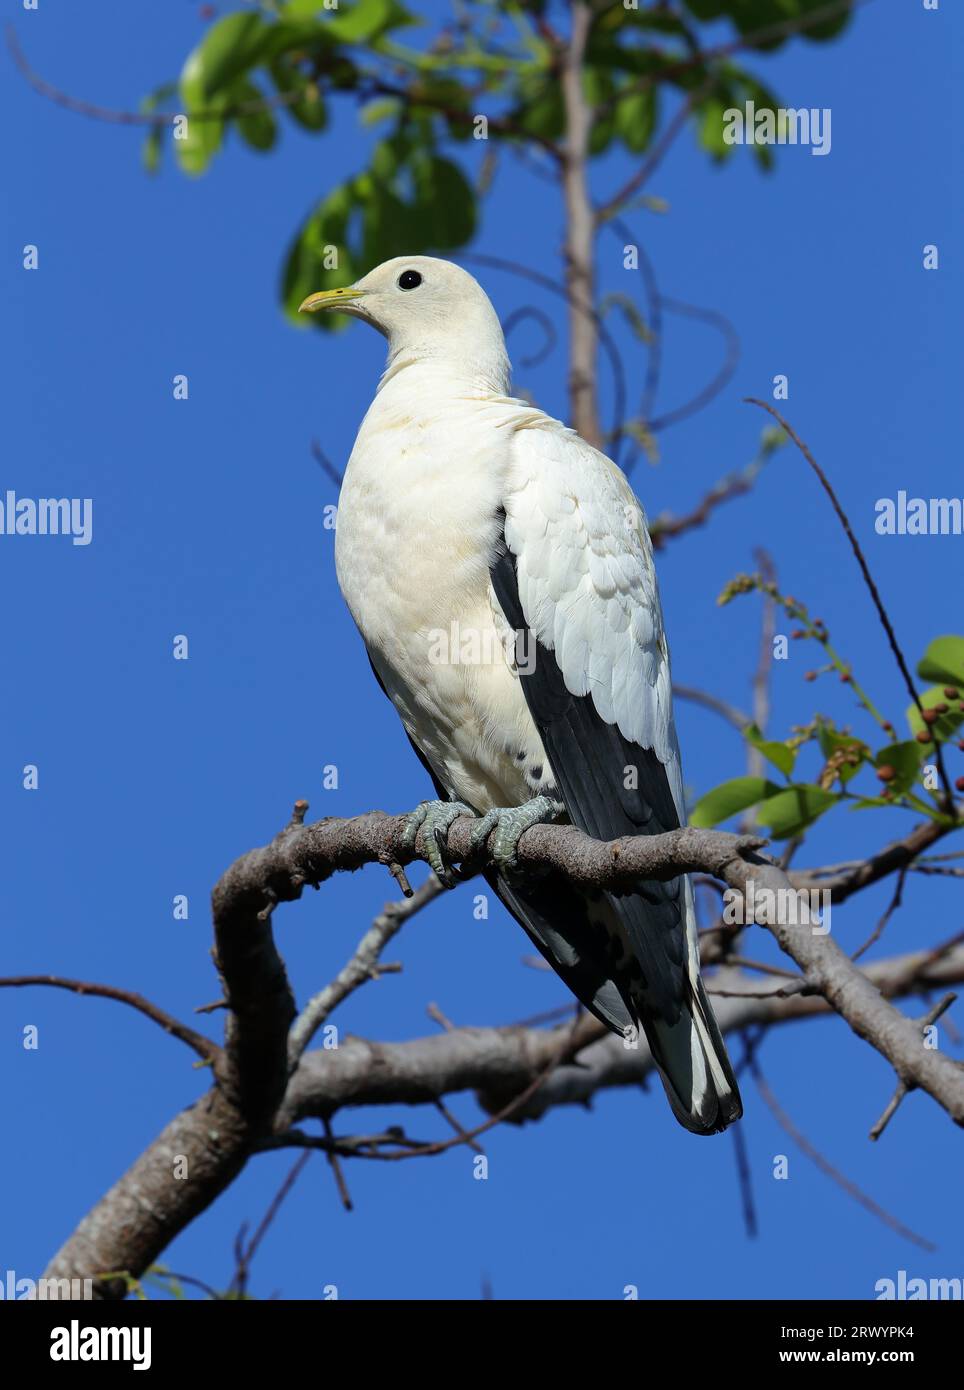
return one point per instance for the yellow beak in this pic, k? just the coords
(328, 299)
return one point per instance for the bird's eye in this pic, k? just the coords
(409, 280)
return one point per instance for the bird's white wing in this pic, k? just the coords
(587, 585)
(575, 570)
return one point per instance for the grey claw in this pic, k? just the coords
(510, 824)
(435, 817)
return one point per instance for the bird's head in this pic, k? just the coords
(427, 309)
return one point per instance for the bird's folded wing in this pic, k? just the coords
(576, 571)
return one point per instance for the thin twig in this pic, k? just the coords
(245, 1254)
(334, 1162)
(894, 904)
(363, 966)
(325, 463)
(447, 1115)
(203, 1046)
(868, 578)
(828, 1169)
(904, 1088)
(730, 713)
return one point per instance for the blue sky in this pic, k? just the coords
(208, 520)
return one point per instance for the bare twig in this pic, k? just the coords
(828, 1169)
(326, 464)
(334, 1162)
(868, 580)
(904, 1088)
(581, 307)
(362, 966)
(892, 907)
(203, 1046)
(657, 154)
(730, 713)
(246, 1253)
(665, 526)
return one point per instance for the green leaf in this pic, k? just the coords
(776, 753)
(636, 118)
(307, 106)
(599, 88)
(729, 798)
(301, 9)
(711, 129)
(366, 20)
(205, 134)
(792, 810)
(943, 661)
(153, 146)
(444, 202)
(542, 113)
(322, 240)
(152, 149)
(749, 16)
(379, 110)
(255, 121)
(831, 740)
(945, 725)
(905, 759)
(229, 48)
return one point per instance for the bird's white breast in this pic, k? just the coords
(418, 519)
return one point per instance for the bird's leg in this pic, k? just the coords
(509, 824)
(435, 817)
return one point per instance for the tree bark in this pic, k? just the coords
(580, 233)
(258, 1096)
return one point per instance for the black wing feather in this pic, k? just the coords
(589, 759)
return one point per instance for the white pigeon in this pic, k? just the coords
(501, 574)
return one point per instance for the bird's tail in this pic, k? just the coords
(691, 1058)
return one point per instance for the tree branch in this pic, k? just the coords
(203, 1046)
(517, 1072)
(580, 230)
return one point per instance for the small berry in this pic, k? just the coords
(930, 716)
(952, 692)
(809, 675)
(798, 632)
(846, 677)
(886, 773)
(887, 727)
(959, 784)
(941, 709)
(923, 736)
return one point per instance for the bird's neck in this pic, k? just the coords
(481, 372)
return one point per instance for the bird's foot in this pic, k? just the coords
(434, 819)
(510, 823)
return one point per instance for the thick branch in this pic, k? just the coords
(497, 1062)
(254, 1099)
